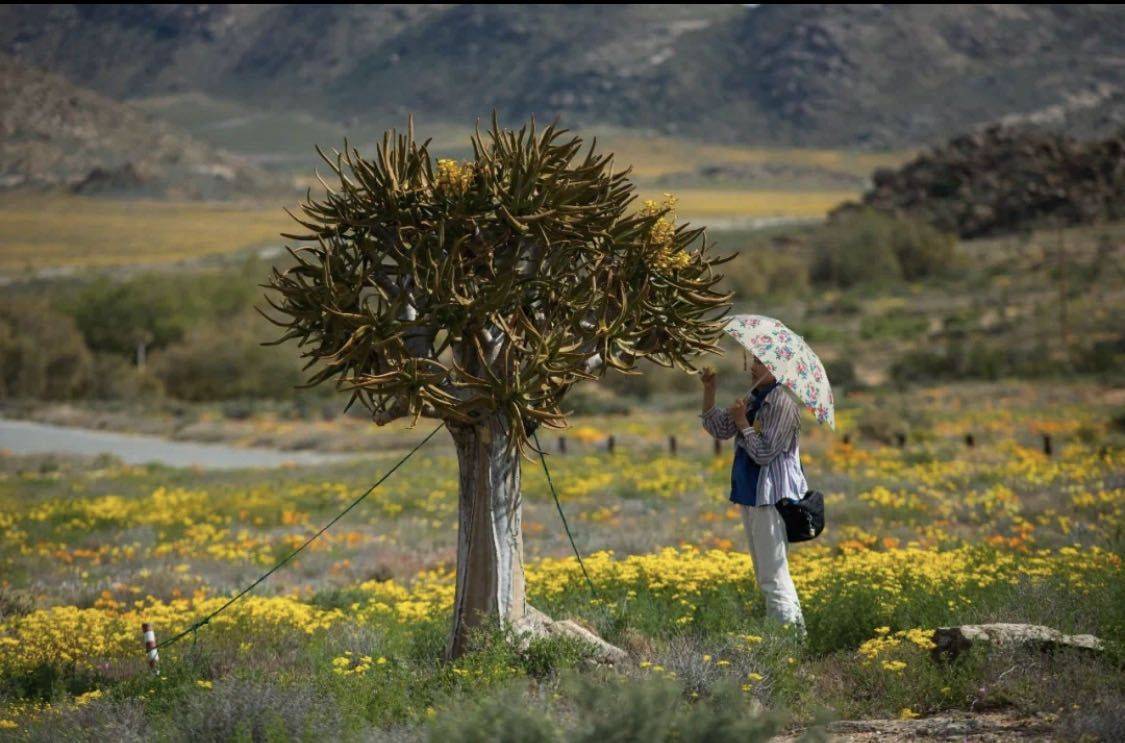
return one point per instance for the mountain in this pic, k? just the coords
(53, 133)
(810, 75)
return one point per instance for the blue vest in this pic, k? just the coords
(744, 472)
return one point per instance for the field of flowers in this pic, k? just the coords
(346, 641)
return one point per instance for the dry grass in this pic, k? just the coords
(44, 232)
(39, 232)
(655, 156)
(703, 203)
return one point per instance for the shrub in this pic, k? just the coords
(613, 709)
(760, 271)
(897, 325)
(224, 363)
(922, 250)
(237, 709)
(116, 378)
(922, 364)
(815, 332)
(974, 359)
(115, 317)
(1103, 356)
(841, 373)
(855, 249)
(156, 309)
(501, 718)
(41, 352)
(656, 710)
(892, 672)
(864, 246)
(101, 719)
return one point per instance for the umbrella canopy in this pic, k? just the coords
(789, 359)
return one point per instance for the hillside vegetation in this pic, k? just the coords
(883, 300)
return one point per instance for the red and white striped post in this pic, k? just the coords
(150, 647)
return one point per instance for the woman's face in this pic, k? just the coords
(760, 371)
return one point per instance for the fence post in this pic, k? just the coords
(901, 438)
(672, 444)
(562, 444)
(609, 444)
(970, 441)
(150, 647)
(1047, 444)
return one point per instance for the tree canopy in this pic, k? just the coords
(457, 290)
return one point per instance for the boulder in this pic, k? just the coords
(952, 641)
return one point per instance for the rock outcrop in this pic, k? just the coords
(54, 134)
(1002, 180)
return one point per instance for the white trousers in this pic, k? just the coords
(769, 550)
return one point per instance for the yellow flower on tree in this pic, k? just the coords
(453, 176)
(663, 252)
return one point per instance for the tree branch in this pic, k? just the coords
(400, 410)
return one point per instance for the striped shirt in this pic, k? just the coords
(771, 442)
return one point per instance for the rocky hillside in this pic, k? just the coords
(54, 134)
(829, 75)
(1002, 180)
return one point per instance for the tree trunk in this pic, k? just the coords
(490, 577)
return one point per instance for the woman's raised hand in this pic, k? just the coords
(708, 377)
(737, 411)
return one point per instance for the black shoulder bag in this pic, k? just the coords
(804, 519)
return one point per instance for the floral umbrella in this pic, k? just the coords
(789, 359)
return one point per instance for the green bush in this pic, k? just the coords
(41, 352)
(868, 247)
(841, 373)
(227, 362)
(767, 271)
(656, 710)
(1103, 356)
(816, 332)
(893, 325)
(854, 251)
(922, 250)
(117, 378)
(922, 365)
(613, 709)
(972, 359)
(503, 718)
(156, 309)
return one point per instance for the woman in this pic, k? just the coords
(766, 469)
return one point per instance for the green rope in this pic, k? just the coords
(562, 516)
(192, 629)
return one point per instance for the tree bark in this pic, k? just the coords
(490, 589)
(490, 569)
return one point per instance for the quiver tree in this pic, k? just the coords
(477, 293)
